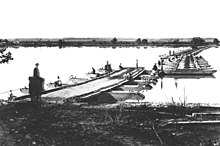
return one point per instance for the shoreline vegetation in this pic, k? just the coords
(68, 124)
(102, 43)
(107, 42)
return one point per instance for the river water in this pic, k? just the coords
(79, 61)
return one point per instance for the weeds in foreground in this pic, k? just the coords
(182, 102)
(73, 125)
(116, 115)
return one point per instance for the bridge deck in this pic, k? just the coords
(93, 87)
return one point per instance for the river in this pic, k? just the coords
(79, 61)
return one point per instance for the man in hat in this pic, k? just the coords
(36, 70)
(36, 85)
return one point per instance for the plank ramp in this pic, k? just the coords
(93, 87)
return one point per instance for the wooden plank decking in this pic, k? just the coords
(93, 87)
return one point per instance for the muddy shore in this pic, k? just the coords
(67, 124)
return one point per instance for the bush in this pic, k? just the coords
(145, 42)
(114, 40)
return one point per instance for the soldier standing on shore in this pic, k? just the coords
(36, 85)
(136, 63)
(93, 70)
(36, 70)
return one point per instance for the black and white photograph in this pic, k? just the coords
(110, 73)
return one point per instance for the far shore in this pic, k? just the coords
(107, 42)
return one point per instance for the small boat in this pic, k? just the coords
(76, 80)
(24, 90)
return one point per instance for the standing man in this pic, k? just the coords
(36, 70)
(120, 67)
(93, 70)
(36, 85)
(137, 63)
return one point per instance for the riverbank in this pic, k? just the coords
(68, 124)
(108, 42)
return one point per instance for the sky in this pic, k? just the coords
(109, 18)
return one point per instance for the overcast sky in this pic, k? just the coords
(109, 18)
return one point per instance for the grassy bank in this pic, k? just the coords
(67, 124)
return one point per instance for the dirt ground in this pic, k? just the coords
(67, 124)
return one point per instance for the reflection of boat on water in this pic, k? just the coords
(189, 72)
(188, 76)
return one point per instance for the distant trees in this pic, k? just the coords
(176, 41)
(145, 42)
(216, 41)
(197, 41)
(4, 43)
(4, 58)
(60, 43)
(114, 40)
(138, 41)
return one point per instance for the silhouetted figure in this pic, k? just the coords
(159, 63)
(36, 85)
(136, 63)
(155, 67)
(108, 68)
(120, 67)
(176, 82)
(93, 70)
(36, 70)
(58, 83)
(11, 96)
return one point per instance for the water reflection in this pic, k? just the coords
(177, 77)
(189, 76)
(197, 89)
(176, 82)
